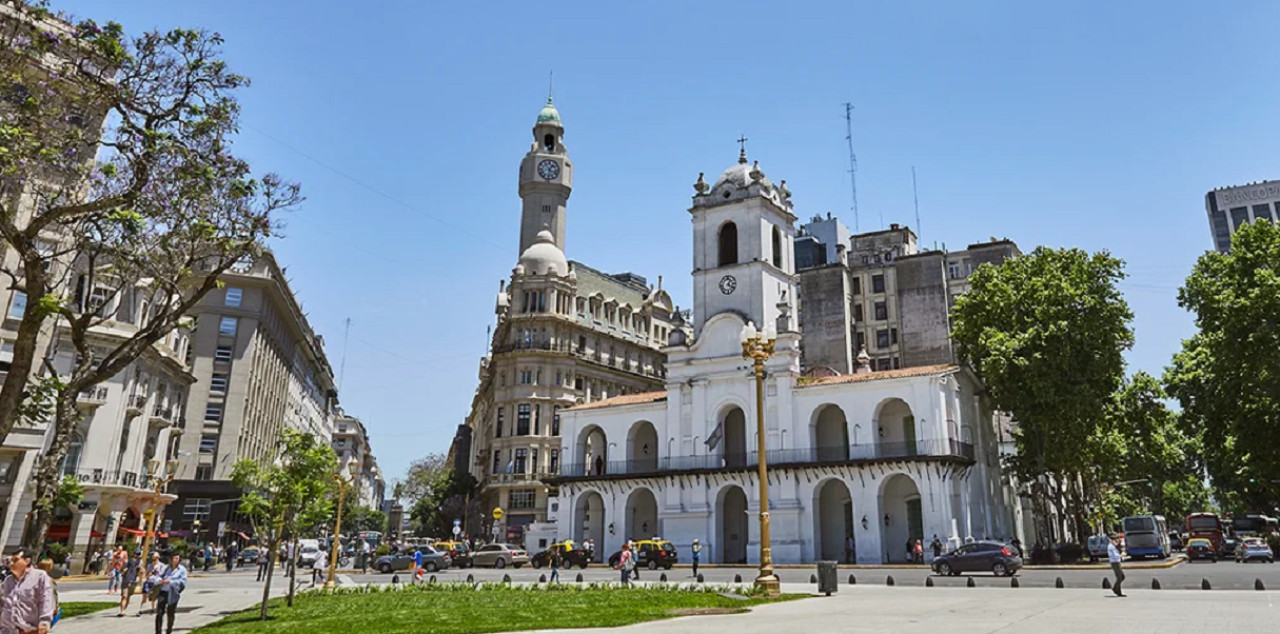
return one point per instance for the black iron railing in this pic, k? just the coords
(777, 458)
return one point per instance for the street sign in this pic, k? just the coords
(497, 512)
(457, 522)
(457, 530)
(222, 529)
(496, 531)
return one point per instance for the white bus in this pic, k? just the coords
(1146, 536)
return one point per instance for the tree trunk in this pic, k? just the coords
(293, 572)
(273, 543)
(24, 352)
(47, 478)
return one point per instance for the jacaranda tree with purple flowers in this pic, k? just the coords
(120, 200)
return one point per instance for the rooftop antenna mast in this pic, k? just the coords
(853, 163)
(915, 196)
(342, 367)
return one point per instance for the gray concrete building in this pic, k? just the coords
(1230, 208)
(566, 334)
(351, 444)
(259, 369)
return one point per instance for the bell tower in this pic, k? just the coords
(546, 179)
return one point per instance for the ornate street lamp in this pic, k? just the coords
(343, 483)
(160, 479)
(758, 347)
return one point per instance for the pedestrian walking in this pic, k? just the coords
(317, 568)
(129, 580)
(118, 559)
(626, 563)
(27, 598)
(417, 562)
(1017, 543)
(555, 565)
(697, 555)
(911, 550)
(208, 557)
(231, 555)
(365, 551)
(154, 569)
(264, 563)
(168, 587)
(848, 548)
(1114, 556)
(919, 551)
(936, 547)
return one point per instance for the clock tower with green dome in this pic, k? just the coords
(546, 179)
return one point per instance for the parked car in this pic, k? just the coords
(1097, 546)
(432, 560)
(652, 554)
(569, 556)
(979, 557)
(308, 551)
(500, 556)
(1229, 546)
(459, 552)
(1252, 549)
(1200, 548)
(249, 555)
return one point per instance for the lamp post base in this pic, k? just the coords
(769, 585)
(329, 584)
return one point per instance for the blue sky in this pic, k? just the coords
(1091, 124)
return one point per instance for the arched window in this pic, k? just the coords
(777, 247)
(728, 244)
(549, 142)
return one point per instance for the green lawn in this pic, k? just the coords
(76, 608)
(457, 608)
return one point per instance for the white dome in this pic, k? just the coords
(543, 257)
(739, 174)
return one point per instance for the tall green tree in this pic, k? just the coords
(1227, 376)
(1047, 332)
(293, 494)
(454, 498)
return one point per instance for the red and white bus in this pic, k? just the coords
(1207, 526)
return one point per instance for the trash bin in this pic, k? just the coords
(827, 577)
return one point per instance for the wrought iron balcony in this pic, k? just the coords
(136, 404)
(102, 477)
(162, 416)
(93, 396)
(839, 454)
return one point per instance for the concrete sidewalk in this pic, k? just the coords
(199, 606)
(970, 611)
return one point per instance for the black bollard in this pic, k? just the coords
(542, 578)
(579, 579)
(971, 584)
(433, 579)
(813, 578)
(662, 577)
(1106, 583)
(471, 578)
(928, 582)
(1058, 583)
(1257, 585)
(852, 581)
(700, 579)
(1155, 583)
(1204, 584)
(1013, 582)
(395, 580)
(737, 578)
(506, 578)
(888, 580)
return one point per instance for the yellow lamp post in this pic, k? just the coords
(160, 480)
(758, 347)
(343, 483)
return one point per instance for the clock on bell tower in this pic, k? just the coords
(546, 180)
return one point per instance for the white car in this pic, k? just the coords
(308, 551)
(1252, 549)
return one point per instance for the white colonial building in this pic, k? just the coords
(882, 457)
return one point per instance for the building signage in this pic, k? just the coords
(1238, 195)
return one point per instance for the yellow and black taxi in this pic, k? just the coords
(1200, 548)
(458, 552)
(650, 553)
(571, 555)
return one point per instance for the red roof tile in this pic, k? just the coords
(625, 399)
(923, 370)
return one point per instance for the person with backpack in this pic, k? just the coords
(626, 563)
(28, 597)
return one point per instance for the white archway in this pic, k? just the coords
(731, 525)
(833, 521)
(733, 441)
(830, 433)
(901, 516)
(642, 515)
(594, 447)
(590, 520)
(895, 429)
(642, 448)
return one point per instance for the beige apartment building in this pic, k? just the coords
(259, 369)
(351, 443)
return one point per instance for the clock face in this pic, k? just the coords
(728, 284)
(548, 169)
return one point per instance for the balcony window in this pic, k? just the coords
(213, 412)
(498, 423)
(555, 420)
(882, 311)
(218, 383)
(522, 420)
(222, 354)
(18, 306)
(234, 297)
(554, 466)
(524, 498)
(497, 461)
(877, 283)
(521, 461)
(204, 472)
(208, 443)
(882, 338)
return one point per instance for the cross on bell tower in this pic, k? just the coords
(742, 149)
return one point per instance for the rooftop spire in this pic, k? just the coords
(742, 149)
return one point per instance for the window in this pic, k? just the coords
(728, 243)
(897, 363)
(555, 420)
(857, 312)
(882, 338)
(862, 340)
(522, 420)
(228, 326)
(222, 354)
(497, 425)
(204, 472)
(554, 466)
(521, 460)
(1239, 216)
(208, 443)
(218, 383)
(546, 209)
(533, 460)
(777, 248)
(882, 364)
(497, 461)
(523, 498)
(882, 311)
(6, 355)
(234, 297)
(1260, 212)
(213, 412)
(526, 377)
(953, 270)
(196, 509)
(559, 378)
(19, 305)
(877, 283)
(537, 421)
(893, 335)
(857, 285)
(9, 469)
